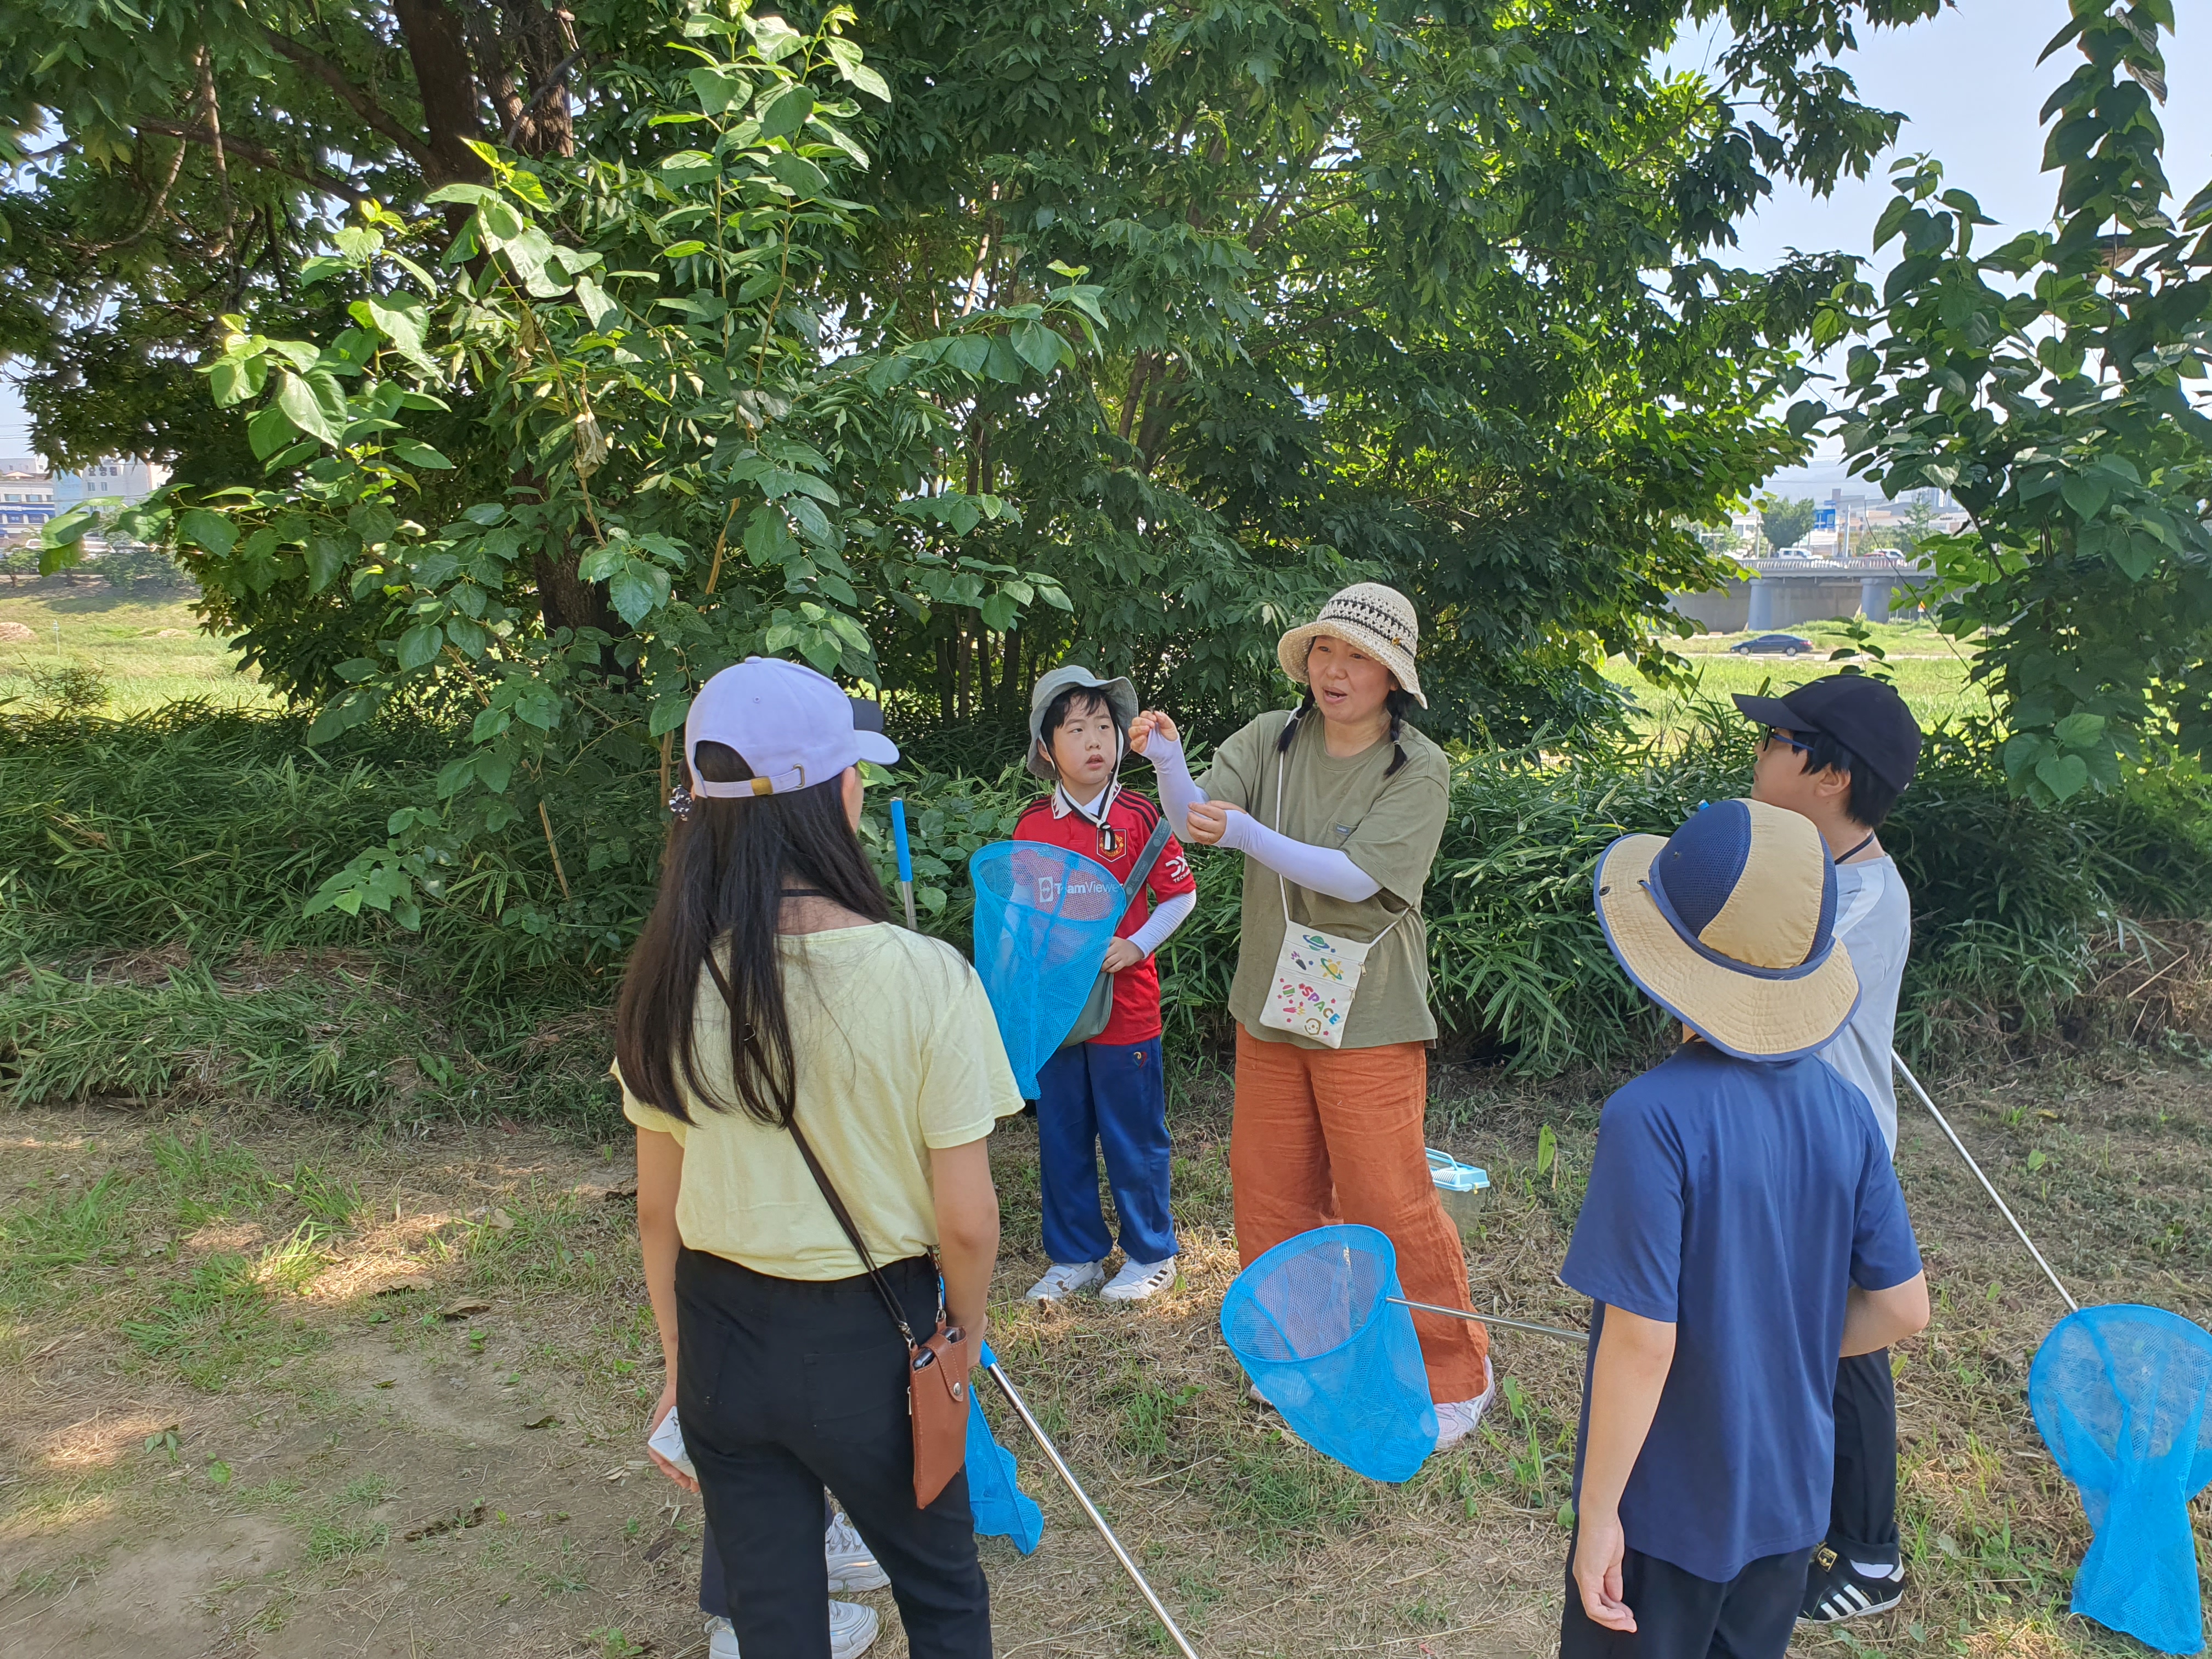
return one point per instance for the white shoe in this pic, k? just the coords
(851, 1566)
(852, 1632)
(1138, 1280)
(1068, 1278)
(1457, 1419)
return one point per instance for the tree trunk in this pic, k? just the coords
(437, 46)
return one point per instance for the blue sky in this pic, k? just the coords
(1970, 87)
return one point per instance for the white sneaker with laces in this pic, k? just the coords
(1068, 1278)
(851, 1566)
(1457, 1419)
(1138, 1279)
(852, 1632)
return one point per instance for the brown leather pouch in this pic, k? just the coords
(936, 1404)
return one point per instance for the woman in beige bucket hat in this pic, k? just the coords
(1341, 806)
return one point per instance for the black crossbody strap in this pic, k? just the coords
(845, 1220)
(822, 1180)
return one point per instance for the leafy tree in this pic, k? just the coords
(667, 427)
(2053, 385)
(1434, 295)
(1784, 520)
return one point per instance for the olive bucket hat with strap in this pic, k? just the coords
(1120, 696)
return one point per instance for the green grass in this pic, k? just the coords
(1928, 668)
(219, 1324)
(121, 635)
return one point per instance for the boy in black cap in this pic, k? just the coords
(1840, 751)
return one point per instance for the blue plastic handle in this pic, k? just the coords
(899, 841)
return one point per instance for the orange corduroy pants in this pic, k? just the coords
(1325, 1135)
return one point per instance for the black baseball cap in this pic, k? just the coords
(1865, 716)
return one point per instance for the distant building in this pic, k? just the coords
(124, 479)
(27, 496)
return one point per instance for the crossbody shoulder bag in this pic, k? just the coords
(1098, 1008)
(1316, 973)
(936, 1370)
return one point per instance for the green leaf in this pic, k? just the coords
(682, 250)
(400, 318)
(786, 113)
(234, 380)
(2063, 775)
(211, 530)
(668, 714)
(806, 180)
(2085, 493)
(420, 644)
(297, 400)
(637, 590)
(420, 454)
(868, 80)
(2079, 730)
(1547, 1148)
(326, 557)
(1037, 345)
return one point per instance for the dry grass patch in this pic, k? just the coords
(291, 1388)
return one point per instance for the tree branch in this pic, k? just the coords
(374, 115)
(266, 159)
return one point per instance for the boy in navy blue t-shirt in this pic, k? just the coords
(1736, 1190)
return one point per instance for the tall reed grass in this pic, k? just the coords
(197, 834)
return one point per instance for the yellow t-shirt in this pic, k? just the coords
(896, 1053)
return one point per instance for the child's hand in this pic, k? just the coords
(661, 1408)
(1121, 954)
(1599, 1546)
(1142, 727)
(1207, 821)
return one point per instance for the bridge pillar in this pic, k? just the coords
(1874, 598)
(1759, 619)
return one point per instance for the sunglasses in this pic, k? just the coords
(1775, 734)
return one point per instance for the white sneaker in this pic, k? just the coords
(1137, 1280)
(852, 1632)
(851, 1566)
(1068, 1278)
(1457, 1419)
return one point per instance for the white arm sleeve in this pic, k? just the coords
(1179, 792)
(1168, 915)
(1324, 869)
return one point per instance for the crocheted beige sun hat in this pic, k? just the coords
(1369, 617)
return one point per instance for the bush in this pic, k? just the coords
(208, 830)
(64, 688)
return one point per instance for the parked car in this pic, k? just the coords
(1767, 644)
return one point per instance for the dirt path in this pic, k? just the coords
(283, 1388)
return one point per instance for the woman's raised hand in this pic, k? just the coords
(1142, 727)
(1207, 821)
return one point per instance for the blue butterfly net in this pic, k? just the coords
(1312, 1326)
(1044, 916)
(1002, 1508)
(2119, 1394)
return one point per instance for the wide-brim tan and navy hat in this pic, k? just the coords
(1369, 617)
(1730, 924)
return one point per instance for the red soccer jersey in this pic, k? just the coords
(1115, 844)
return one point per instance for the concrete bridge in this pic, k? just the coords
(1782, 591)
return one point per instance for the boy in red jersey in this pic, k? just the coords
(1108, 1092)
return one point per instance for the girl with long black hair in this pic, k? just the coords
(769, 993)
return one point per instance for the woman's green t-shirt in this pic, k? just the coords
(1390, 826)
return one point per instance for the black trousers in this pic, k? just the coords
(1679, 1615)
(787, 1387)
(1862, 1507)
